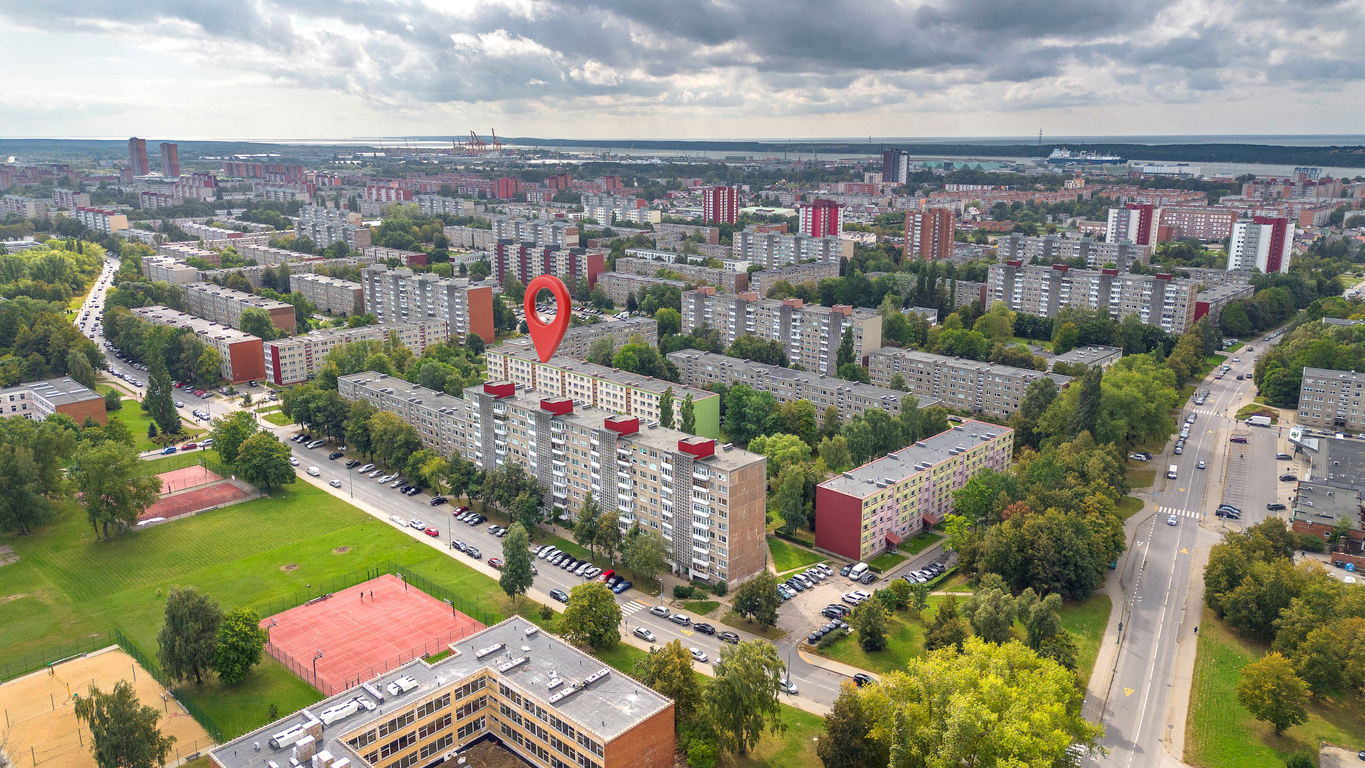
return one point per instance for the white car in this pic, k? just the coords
(293, 461)
(1172, 521)
(418, 524)
(787, 687)
(861, 595)
(315, 472)
(334, 483)
(699, 655)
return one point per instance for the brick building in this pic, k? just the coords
(241, 355)
(37, 400)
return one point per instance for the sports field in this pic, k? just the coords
(191, 489)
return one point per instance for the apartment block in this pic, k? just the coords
(296, 359)
(1332, 400)
(810, 334)
(101, 220)
(707, 502)
(961, 384)
(303, 265)
(728, 280)
(705, 369)
(578, 341)
(1158, 300)
(1091, 355)
(1050, 248)
(966, 292)
(37, 400)
(224, 306)
(400, 296)
(69, 198)
(241, 354)
(187, 251)
(170, 160)
(1212, 278)
(472, 238)
(1329, 494)
(431, 205)
(163, 269)
(1210, 303)
(607, 208)
(329, 294)
(720, 205)
(538, 232)
(1134, 223)
(601, 386)
(548, 704)
(221, 237)
(875, 507)
(381, 255)
(929, 234)
(809, 272)
(771, 249)
(526, 261)
(620, 285)
(1264, 243)
(1205, 223)
(137, 156)
(28, 207)
(821, 218)
(325, 226)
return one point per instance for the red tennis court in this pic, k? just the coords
(362, 637)
(191, 489)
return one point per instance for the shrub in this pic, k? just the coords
(546, 613)
(702, 754)
(832, 638)
(1310, 543)
(720, 588)
(683, 592)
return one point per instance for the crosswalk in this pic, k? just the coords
(1180, 512)
(1206, 412)
(631, 607)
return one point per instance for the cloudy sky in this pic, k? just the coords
(262, 69)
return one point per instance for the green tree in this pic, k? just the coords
(585, 527)
(991, 609)
(1065, 339)
(358, 435)
(834, 450)
(1086, 417)
(159, 402)
(230, 432)
(592, 616)
(1319, 661)
(790, 498)
(831, 423)
(669, 320)
(919, 597)
(666, 408)
(240, 640)
(689, 416)
(645, 555)
(844, 355)
(1271, 692)
(1041, 618)
(474, 343)
(256, 321)
(516, 576)
(758, 599)
(668, 670)
(264, 460)
(525, 509)
(608, 535)
(112, 401)
(188, 638)
(869, 620)
(123, 732)
(208, 367)
(741, 700)
(848, 741)
(79, 369)
(108, 483)
(948, 629)
(898, 382)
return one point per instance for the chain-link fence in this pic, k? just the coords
(60, 652)
(150, 665)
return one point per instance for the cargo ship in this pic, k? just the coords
(1064, 156)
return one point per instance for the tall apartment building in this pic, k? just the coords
(240, 354)
(1050, 248)
(705, 369)
(1158, 300)
(1212, 278)
(224, 306)
(578, 341)
(1263, 243)
(549, 704)
(1332, 400)
(966, 385)
(810, 334)
(101, 220)
(430, 205)
(69, 198)
(470, 238)
(622, 285)
(929, 234)
(810, 272)
(1199, 222)
(137, 156)
(400, 296)
(727, 280)
(163, 269)
(770, 249)
(331, 295)
(526, 261)
(875, 507)
(382, 255)
(720, 205)
(821, 218)
(186, 251)
(709, 504)
(36, 400)
(607, 208)
(296, 359)
(539, 232)
(28, 207)
(602, 387)
(325, 226)
(895, 166)
(1134, 222)
(170, 160)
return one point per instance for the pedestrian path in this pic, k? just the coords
(1180, 512)
(634, 606)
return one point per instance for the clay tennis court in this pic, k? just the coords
(363, 638)
(189, 490)
(42, 717)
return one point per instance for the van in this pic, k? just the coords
(1171, 473)
(857, 571)
(314, 471)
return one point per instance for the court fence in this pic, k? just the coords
(60, 652)
(306, 671)
(345, 581)
(149, 664)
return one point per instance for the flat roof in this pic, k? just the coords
(869, 391)
(1226, 291)
(993, 368)
(61, 391)
(614, 375)
(1088, 354)
(166, 316)
(241, 297)
(609, 707)
(911, 460)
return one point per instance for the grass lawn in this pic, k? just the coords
(701, 607)
(1221, 734)
(787, 556)
(1129, 506)
(1140, 476)
(885, 562)
(957, 582)
(732, 619)
(1235, 347)
(1253, 409)
(137, 420)
(278, 419)
(793, 749)
(1086, 622)
(919, 541)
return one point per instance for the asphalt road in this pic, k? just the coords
(1156, 571)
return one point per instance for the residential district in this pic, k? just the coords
(916, 461)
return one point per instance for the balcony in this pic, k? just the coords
(699, 539)
(623, 464)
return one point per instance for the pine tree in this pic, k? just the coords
(159, 401)
(666, 408)
(689, 416)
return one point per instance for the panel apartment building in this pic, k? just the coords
(164, 269)
(540, 698)
(620, 286)
(1158, 300)
(708, 503)
(400, 296)
(810, 334)
(578, 341)
(331, 295)
(771, 250)
(875, 507)
(727, 280)
(965, 385)
(325, 226)
(1050, 248)
(540, 232)
(1332, 400)
(36, 400)
(704, 369)
(810, 272)
(603, 387)
(296, 359)
(929, 234)
(241, 355)
(430, 205)
(224, 306)
(525, 261)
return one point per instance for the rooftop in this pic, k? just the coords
(961, 362)
(614, 375)
(874, 476)
(241, 297)
(362, 332)
(869, 391)
(165, 316)
(608, 707)
(1089, 354)
(63, 391)
(1228, 291)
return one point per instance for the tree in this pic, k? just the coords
(1319, 662)
(188, 638)
(689, 416)
(848, 741)
(790, 498)
(107, 480)
(256, 322)
(1086, 417)
(844, 355)
(608, 535)
(1065, 339)
(758, 599)
(1041, 618)
(668, 670)
(123, 732)
(742, 699)
(516, 576)
(474, 343)
(208, 367)
(919, 597)
(991, 609)
(240, 640)
(229, 433)
(585, 527)
(948, 628)
(592, 616)
(1271, 691)
(831, 422)
(79, 369)
(264, 460)
(525, 509)
(159, 401)
(669, 320)
(645, 555)
(666, 408)
(869, 621)
(112, 401)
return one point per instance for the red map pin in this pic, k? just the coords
(547, 335)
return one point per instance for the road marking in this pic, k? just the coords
(687, 632)
(631, 607)
(1180, 512)
(1129, 691)
(1184, 551)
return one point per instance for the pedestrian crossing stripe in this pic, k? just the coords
(1180, 512)
(631, 607)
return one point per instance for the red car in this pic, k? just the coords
(432, 532)
(189, 446)
(496, 562)
(1237, 439)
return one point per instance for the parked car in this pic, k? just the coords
(168, 450)
(293, 461)
(704, 628)
(432, 532)
(862, 679)
(352, 463)
(622, 586)
(1275, 506)
(334, 455)
(1283, 456)
(698, 655)
(334, 483)
(418, 524)
(680, 619)
(563, 597)
(844, 571)
(1237, 439)
(729, 637)
(438, 501)
(413, 491)
(496, 562)
(1288, 478)
(1137, 457)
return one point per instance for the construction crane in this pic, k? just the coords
(497, 145)
(476, 144)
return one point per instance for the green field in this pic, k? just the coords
(1130, 505)
(278, 419)
(885, 562)
(916, 544)
(1086, 622)
(1221, 734)
(701, 607)
(137, 420)
(788, 556)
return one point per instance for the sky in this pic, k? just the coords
(694, 69)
